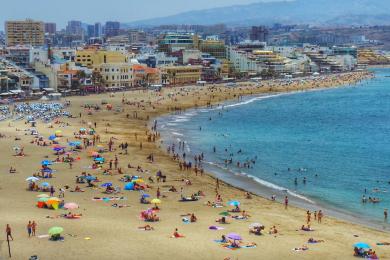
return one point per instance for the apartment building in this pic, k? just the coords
(115, 74)
(26, 32)
(91, 58)
(180, 75)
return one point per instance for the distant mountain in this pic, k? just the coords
(316, 12)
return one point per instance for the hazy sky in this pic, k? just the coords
(102, 10)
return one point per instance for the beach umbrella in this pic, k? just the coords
(156, 201)
(107, 184)
(43, 196)
(55, 230)
(71, 205)
(57, 149)
(58, 133)
(234, 236)
(99, 159)
(42, 199)
(362, 245)
(74, 143)
(255, 225)
(46, 162)
(224, 213)
(32, 179)
(90, 178)
(129, 186)
(145, 195)
(45, 184)
(138, 181)
(54, 199)
(234, 203)
(52, 137)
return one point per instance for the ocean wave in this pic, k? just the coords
(176, 133)
(251, 100)
(262, 182)
(178, 120)
(276, 187)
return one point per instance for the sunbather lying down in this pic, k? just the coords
(303, 248)
(308, 228)
(146, 228)
(116, 205)
(314, 241)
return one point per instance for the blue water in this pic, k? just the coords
(339, 139)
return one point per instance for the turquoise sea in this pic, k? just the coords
(337, 139)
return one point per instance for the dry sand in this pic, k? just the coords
(113, 231)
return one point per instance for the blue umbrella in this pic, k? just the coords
(45, 184)
(46, 162)
(90, 178)
(52, 137)
(234, 203)
(145, 195)
(129, 186)
(107, 184)
(57, 149)
(362, 245)
(99, 159)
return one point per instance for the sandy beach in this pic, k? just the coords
(105, 231)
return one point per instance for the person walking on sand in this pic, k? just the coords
(29, 228)
(308, 217)
(8, 231)
(116, 162)
(33, 227)
(319, 216)
(158, 193)
(286, 202)
(52, 190)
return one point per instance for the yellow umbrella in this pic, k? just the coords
(139, 181)
(155, 201)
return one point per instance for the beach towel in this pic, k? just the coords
(215, 228)
(250, 246)
(383, 244)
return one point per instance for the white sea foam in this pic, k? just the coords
(181, 120)
(176, 133)
(252, 100)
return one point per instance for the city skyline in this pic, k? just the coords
(123, 11)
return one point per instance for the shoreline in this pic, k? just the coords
(247, 183)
